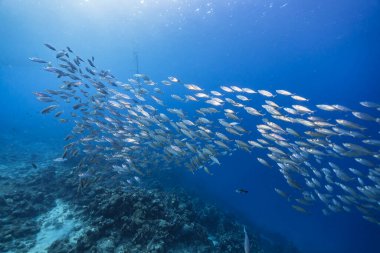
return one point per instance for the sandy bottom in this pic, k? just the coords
(57, 224)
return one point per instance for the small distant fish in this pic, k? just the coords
(207, 170)
(61, 54)
(281, 193)
(299, 98)
(370, 104)
(58, 114)
(248, 90)
(193, 87)
(226, 89)
(49, 109)
(263, 162)
(91, 63)
(35, 59)
(235, 88)
(46, 99)
(349, 124)
(34, 165)
(265, 93)
(173, 79)
(284, 92)
(242, 191)
(363, 116)
(302, 109)
(327, 107)
(299, 209)
(50, 47)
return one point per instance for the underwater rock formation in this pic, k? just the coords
(21, 201)
(141, 220)
(114, 219)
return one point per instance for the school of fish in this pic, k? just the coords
(140, 124)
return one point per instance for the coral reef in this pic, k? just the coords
(142, 220)
(21, 201)
(43, 211)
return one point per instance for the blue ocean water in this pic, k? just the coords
(326, 51)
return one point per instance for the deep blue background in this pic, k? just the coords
(327, 51)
